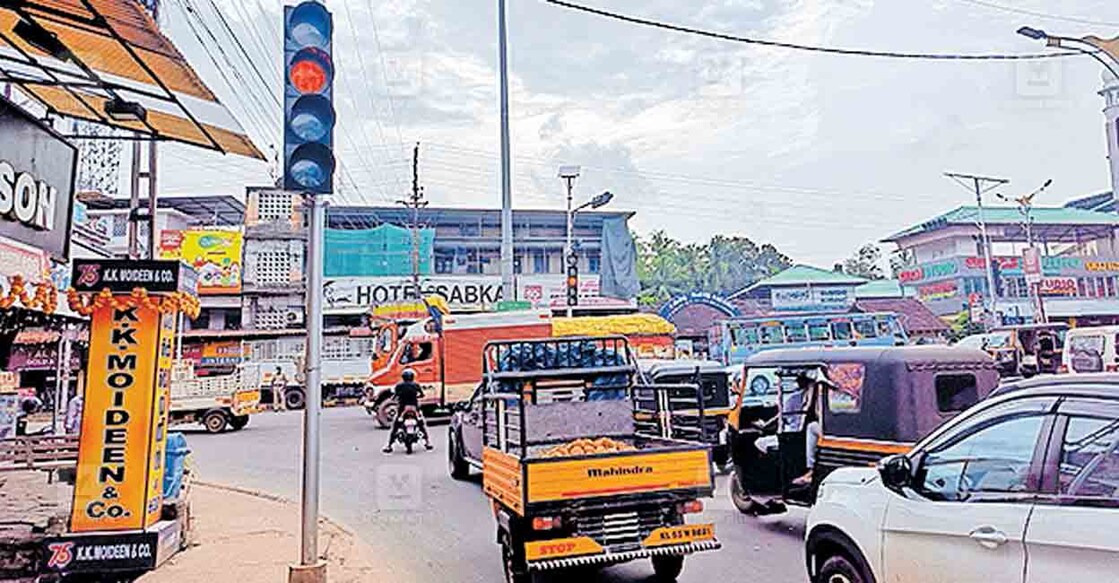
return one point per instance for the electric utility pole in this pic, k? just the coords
(982, 185)
(415, 202)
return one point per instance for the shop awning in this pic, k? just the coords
(77, 56)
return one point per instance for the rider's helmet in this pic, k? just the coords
(408, 375)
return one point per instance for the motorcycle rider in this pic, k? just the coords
(407, 394)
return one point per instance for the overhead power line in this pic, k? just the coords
(807, 48)
(1038, 14)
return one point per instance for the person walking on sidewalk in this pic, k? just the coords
(407, 394)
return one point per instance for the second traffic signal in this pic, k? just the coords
(572, 279)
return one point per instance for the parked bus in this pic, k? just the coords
(737, 339)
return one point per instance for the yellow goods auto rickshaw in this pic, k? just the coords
(837, 407)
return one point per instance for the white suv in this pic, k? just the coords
(1023, 487)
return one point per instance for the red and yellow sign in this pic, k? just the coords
(124, 420)
(678, 535)
(561, 547)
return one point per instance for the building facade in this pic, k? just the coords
(1079, 261)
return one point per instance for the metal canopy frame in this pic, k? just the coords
(86, 85)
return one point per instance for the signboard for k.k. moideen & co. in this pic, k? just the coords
(124, 418)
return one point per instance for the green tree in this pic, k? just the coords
(866, 262)
(724, 265)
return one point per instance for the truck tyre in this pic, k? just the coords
(215, 421)
(238, 422)
(456, 462)
(295, 398)
(667, 567)
(386, 412)
(739, 496)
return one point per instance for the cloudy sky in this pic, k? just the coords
(815, 153)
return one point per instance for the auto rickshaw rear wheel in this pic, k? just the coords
(739, 496)
(667, 567)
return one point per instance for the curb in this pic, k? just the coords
(274, 498)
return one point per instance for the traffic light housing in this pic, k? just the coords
(308, 98)
(572, 279)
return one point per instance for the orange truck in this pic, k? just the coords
(447, 363)
(573, 480)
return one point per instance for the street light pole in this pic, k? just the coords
(569, 174)
(508, 290)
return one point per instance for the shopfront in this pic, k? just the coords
(1071, 286)
(38, 342)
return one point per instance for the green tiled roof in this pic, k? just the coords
(808, 275)
(1004, 215)
(882, 288)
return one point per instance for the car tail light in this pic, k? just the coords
(1062, 369)
(691, 507)
(546, 523)
(1111, 367)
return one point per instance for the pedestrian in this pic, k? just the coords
(73, 423)
(279, 385)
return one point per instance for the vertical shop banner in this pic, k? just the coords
(214, 253)
(112, 487)
(160, 406)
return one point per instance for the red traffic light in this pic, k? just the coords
(308, 77)
(310, 71)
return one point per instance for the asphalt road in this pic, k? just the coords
(428, 527)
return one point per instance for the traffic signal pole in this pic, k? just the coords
(309, 168)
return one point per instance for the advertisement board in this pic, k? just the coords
(214, 253)
(1058, 286)
(1031, 265)
(224, 352)
(463, 293)
(115, 275)
(101, 553)
(37, 171)
(111, 490)
(812, 299)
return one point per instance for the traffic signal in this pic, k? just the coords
(308, 99)
(572, 279)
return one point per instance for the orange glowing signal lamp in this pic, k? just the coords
(308, 77)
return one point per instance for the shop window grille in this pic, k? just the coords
(274, 206)
(273, 267)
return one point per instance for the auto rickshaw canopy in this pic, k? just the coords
(896, 394)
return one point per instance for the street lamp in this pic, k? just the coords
(568, 173)
(1097, 45)
(1025, 207)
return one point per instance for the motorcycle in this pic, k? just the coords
(410, 430)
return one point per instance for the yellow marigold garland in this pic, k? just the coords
(45, 298)
(165, 303)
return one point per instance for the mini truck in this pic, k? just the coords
(217, 403)
(572, 482)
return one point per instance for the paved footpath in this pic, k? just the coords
(249, 538)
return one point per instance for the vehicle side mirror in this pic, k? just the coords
(896, 472)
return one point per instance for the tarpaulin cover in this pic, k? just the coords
(588, 354)
(619, 260)
(382, 250)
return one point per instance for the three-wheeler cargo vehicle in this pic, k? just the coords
(844, 407)
(713, 405)
(572, 480)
